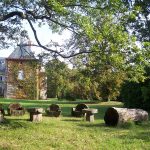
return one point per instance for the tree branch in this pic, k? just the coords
(85, 6)
(50, 19)
(23, 16)
(51, 50)
(12, 14)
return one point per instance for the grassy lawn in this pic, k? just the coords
(69, 133)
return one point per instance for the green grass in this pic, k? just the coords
(69, 133)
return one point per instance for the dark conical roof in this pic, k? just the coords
(22, 52)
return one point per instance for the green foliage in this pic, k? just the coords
(137, 95)
(100, 33)
(103, 80)
(139, 19)
(27, 87)
(57, 78)
(131, 95)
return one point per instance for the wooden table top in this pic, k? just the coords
(36, 109)
(90, 110)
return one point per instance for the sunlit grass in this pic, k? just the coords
(69, 133)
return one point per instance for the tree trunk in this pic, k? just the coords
(115, 116)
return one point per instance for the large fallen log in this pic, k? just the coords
(115, 116)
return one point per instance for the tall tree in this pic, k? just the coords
(76, 16)
(97, 27)
(57, 78)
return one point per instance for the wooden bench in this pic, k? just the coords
(53, 110)
(15, 109)
(77, 111)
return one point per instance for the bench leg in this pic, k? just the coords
(35, 117)
(1, 118)
(89, 117)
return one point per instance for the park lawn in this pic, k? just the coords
(69, 133)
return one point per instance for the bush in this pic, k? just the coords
(136, 95)
(70, 96)
(131, 95)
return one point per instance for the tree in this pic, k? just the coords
(57, 14)
(139, 21)
(57, 78)
(136, 95)
(98, 30)
(114, 58)
(76, 16)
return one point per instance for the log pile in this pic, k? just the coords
(115, 116)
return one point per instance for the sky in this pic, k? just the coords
(45, 35)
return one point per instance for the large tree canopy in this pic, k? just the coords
(100, 30)
(58, 14)
(79, 17)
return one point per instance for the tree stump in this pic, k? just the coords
(89, 114)
(35, 117)
(1, 117)
(115, 116)
(35, 114)
(89, 117)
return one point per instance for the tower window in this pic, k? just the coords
(20, 75)
(1, 78)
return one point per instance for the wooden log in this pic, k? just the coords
(115, 116)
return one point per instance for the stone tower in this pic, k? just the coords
(25, 78)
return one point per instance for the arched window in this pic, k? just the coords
(20, 75)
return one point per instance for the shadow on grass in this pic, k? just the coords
(72, 120)
(127, 126)
(14, 124)
(7, 146)
(140, 135)
(92, 125)
(145, 136)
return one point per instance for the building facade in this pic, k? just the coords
(24, 75)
